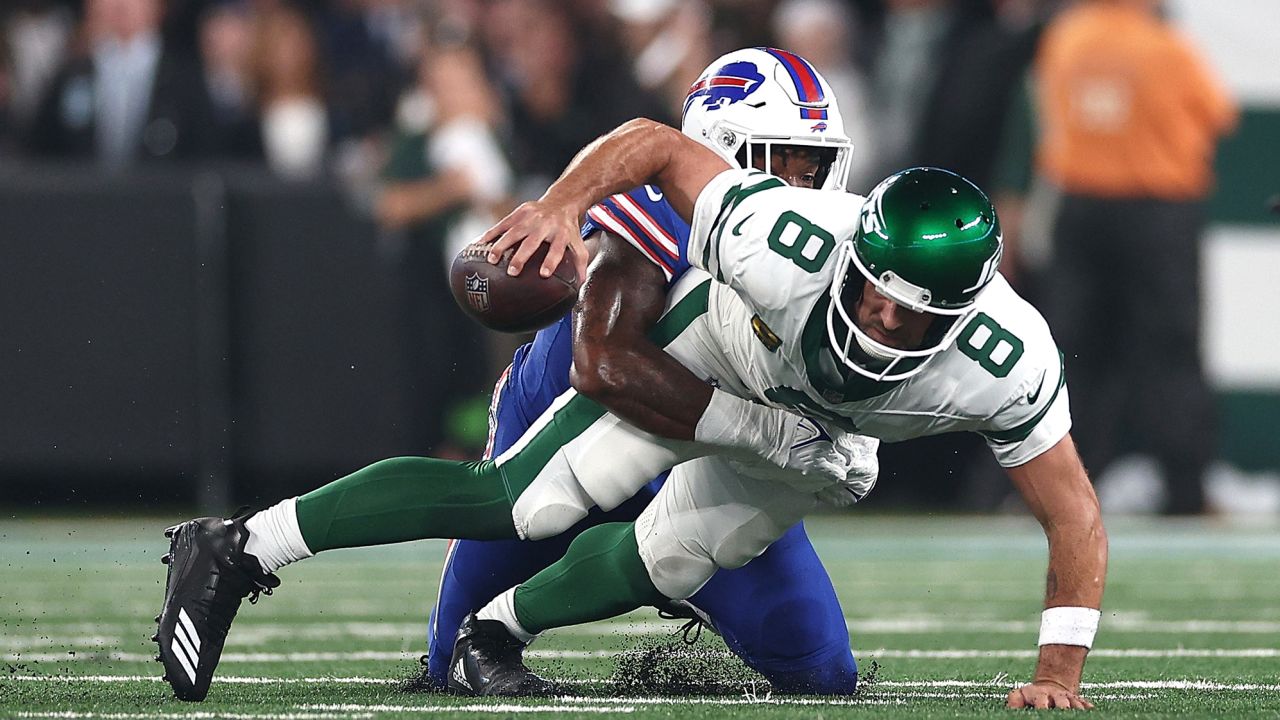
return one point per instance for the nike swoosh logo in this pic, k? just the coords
(737, 229)
(1033, 396)
(816, 432)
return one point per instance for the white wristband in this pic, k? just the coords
(1069, 626)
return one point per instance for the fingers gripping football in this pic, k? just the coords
(532, 225)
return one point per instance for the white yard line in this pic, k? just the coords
(420, 709)
(83, 715)
(925, 684)
(229, 679)
(1095, 653)
(397, 656)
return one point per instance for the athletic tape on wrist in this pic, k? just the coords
(1069, 626)
(730, 421)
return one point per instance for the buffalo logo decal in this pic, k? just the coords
(726, 85)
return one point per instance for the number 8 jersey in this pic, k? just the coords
(772, 250)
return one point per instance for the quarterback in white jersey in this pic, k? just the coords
(773, 250)
(882, 316)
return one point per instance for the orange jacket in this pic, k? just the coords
(1127, 108)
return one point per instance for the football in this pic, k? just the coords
(515, 304)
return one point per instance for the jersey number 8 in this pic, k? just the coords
(799, 246)
(983, 340)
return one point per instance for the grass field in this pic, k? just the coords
(947, 608)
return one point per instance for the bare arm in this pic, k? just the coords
(638, 152)
(405, 202)
(614, 362)
(1058, 492)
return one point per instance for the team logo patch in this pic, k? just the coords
(767, 336)
(727, 85)
(818, 127)
(477, 292)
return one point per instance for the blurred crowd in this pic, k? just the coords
(439, 115)
(325, 86)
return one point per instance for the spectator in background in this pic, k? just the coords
(123, 97)
(984, 58)
(286, 75)
(669, 42)
(6, 99)
(1130, 117)
(372, 46)
(905, 68)
(944, 78)
(36, 33)
(446, 180)
(226, 37)
(827, 31)
(562, 89)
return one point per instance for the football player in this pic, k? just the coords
(885, 316)
(762, 108)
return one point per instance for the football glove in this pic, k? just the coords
(862, 470)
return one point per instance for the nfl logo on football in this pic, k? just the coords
(478, 292)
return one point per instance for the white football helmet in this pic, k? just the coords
(750, 100)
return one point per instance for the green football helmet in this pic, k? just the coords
(930, 241)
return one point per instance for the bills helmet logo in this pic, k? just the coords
(477, 292)
(818, 127)
(727, 85)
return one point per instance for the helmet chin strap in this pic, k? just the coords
(871, 351)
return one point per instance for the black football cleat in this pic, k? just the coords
(209, 574)
(487, 661)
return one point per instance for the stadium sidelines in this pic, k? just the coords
(880, 653)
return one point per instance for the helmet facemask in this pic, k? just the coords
(862, 353)
(759, 154)
(929, 241)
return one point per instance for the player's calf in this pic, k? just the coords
(209, 574)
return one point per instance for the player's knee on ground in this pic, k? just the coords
(835, 676)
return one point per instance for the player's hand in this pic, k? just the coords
(531, 225)
(862, 469)
(810, 456)
(1047, 695)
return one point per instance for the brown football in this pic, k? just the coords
(515, 304)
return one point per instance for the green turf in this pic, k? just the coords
(946, 607)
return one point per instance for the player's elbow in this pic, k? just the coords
(595, 375)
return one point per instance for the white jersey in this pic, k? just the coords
(771, 249)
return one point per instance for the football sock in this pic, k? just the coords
(600, 576)
(503, 609)
(274, 537)
(408, 498)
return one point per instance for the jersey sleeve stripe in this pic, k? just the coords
(637, 213)
(606, 219)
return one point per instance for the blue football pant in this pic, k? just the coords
(779, 613)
